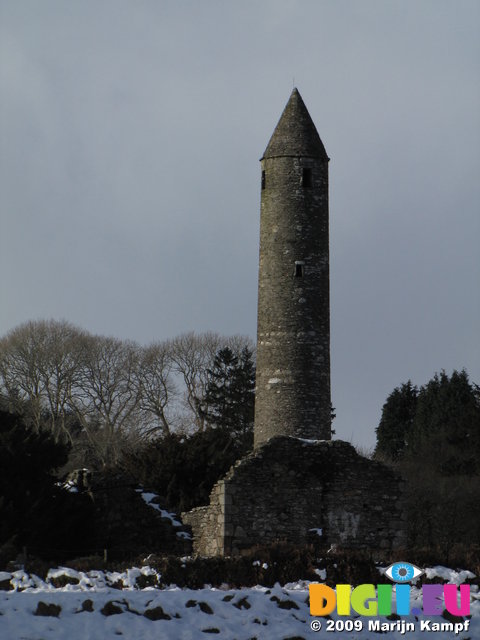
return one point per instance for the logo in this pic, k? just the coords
(403, 572)
(385, 599)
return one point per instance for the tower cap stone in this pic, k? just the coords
(295, 133)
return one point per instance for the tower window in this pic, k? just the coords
(307, 177)
(299, 269)
(263, 180)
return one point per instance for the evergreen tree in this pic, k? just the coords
(434, 434)
(446, 429)
(395, 425)
(182, 470)
(229, 398)
(438, 424)
(27, 481)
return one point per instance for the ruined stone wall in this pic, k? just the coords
(289, 487)
(207, 523)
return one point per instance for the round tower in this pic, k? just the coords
(293, 332)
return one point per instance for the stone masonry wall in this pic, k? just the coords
(293, 324)
(290, 486)
(293, 332)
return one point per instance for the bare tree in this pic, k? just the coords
(20, 375)
(115, 392)
(38, 366)
(106, 396)
(193, 356)
(237, 343)
(157, 389)
(59, 370)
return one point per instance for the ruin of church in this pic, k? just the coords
(297, 482)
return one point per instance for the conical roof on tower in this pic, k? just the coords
(295, 133)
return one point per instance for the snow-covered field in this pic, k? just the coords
(71, 605)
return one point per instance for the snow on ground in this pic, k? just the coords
(85, 606)
(454, 577)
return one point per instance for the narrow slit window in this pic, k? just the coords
(263, 180)
(307, 178)
(299, 269)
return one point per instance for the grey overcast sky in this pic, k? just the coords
(130, 139)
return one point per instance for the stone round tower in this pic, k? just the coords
(293, 334)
